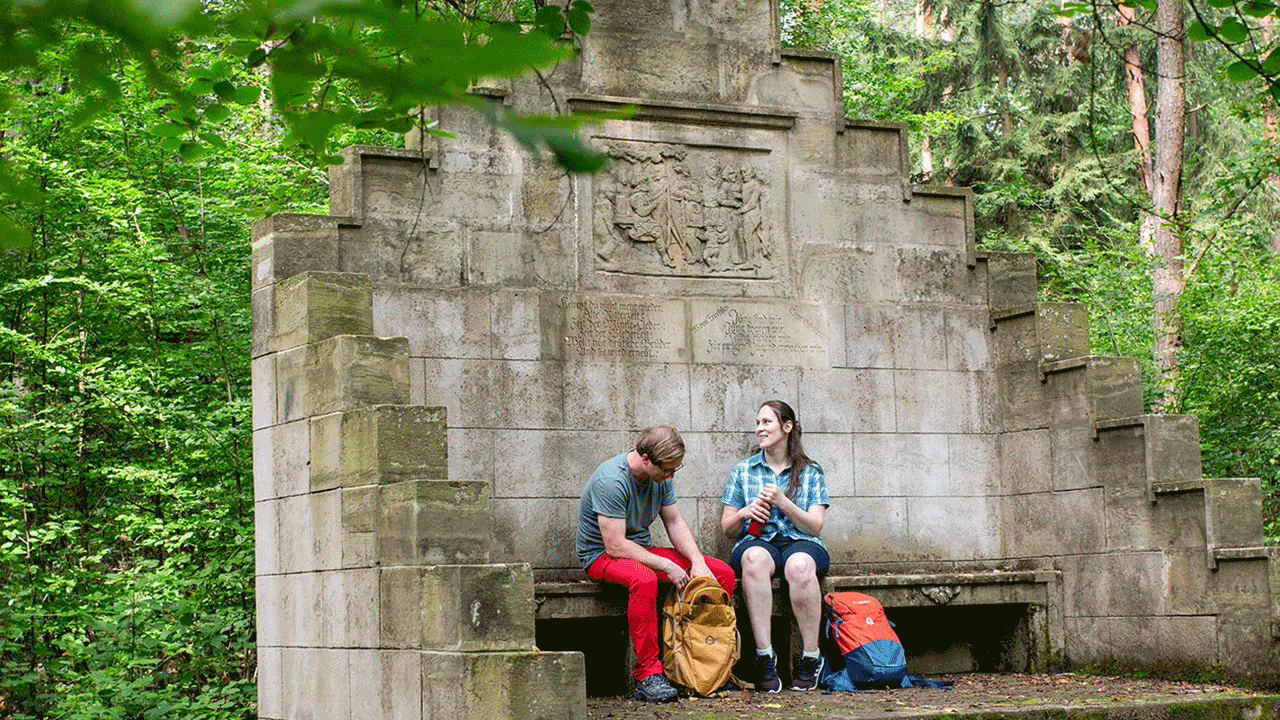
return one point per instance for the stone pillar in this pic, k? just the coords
(375, 595)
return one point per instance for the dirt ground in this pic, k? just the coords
(972, 695)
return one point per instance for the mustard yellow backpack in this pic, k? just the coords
(699, 636)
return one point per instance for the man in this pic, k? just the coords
(622, 498)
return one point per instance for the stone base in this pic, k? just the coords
(527, 685)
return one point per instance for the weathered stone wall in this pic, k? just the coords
(746, 242)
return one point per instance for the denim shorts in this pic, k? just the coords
(780, 549)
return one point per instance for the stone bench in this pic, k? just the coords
(948, 622)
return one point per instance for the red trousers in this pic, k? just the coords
(642, 599)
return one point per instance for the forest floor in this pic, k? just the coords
(1049, 696)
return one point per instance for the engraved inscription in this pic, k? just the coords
(760, 334)
(666, 209)
(603, 328)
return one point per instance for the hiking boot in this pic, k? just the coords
(807, 676)
(655, 689)
(767, 669)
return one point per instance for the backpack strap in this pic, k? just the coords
(911, 680)
(702, 587)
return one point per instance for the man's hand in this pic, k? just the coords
(699, 568)
(678, 576)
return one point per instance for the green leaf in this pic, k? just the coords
(1233, 30)
(168, 130)
(13, 235)
(214, 140)
(255, 58)
(1241, 71)
(171, 144)
(550, 20)
(1258, 8)
(1197, 32)
(579, 18)
(246, 95)
(1221, 3)
(224, 90)
(1271, 65)
(217, 113)
(1147, 4)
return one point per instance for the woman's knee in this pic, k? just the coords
(801, 569)
(757, 561)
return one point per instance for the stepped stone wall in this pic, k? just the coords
(469, 311)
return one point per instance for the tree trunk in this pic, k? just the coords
(1141, 131)
(1166, 245)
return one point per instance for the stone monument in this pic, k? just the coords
(441, 361)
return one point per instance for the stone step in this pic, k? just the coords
(457, 608)
(427, 522)
(1041, 332)
(379, 445)
(340, 373)
(1162, 450)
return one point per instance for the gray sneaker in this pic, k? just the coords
(655, 689)
(767, 669)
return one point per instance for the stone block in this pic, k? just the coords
(1175, 447)
(1045, 332)
(617, 395)
(1054, 524)
(436, 323)
(945, 401)
(868, 529)
(290, 458)
(1174, 522)
(970, 342)
(433, 521)
(516, 324)
(311, 532)
(1119, 457)
(539, 531)
(342, 373)
(1234, 511)
(528, 394)
(1188, 581)
(1241, 589)
(1011, 280)
(1131, 583)
(869, 335)
(266, 539)
(840, 400)
(901, 465)
(300, 603)
(268, 610)
(262, 372)
(954, 528)
(710, 456)
(1024, 462)
(378, 180)
(833, 451)
(540, 258)
(465, 608)
(851, 273)
(423, 250)
(934, 274)
(379, 445)
(973, 464)
(286, 244)
(315, 306)
(581, 326)
(262, 307)
(761, 333)
(270, 683)
(557, 463)
(1143, 642)
(725, 398)
(468, 388)
(1022, 404)
(920, 340)
(1246, 648)
(360, 509)
(503, 686)
(360, 607)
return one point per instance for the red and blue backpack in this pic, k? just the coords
(872, 654)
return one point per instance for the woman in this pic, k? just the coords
(784, 491)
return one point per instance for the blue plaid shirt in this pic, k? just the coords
(748, 478)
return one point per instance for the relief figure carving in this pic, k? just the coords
(664, 209)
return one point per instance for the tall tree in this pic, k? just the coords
(1165, 249)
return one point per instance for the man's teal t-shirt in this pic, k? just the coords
(612, 492)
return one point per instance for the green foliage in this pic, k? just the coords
(323, 66)
(126, 518)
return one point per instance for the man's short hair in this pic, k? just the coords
(662, 444)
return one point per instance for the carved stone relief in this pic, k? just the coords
(664, 209)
